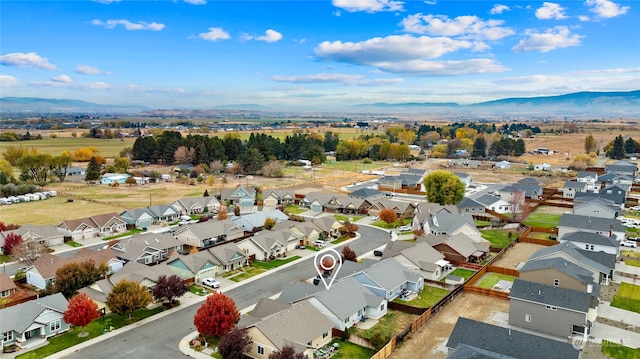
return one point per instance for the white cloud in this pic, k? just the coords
(528, 80)
(469, 27)
(606, 8)
(443, 68)
(499, 9)
(30, 59)
(60, 83)
(350, 80)
(106, 2)
(549, 11)
(270, 36)
(583, 18)
(215, 34)
(430, 2)
(369, 6)
(8, 81)
(62, 78)
(128, 25)
(196, 2)
(555, 38)
(87, 70)
(611, 71)
(389, 49)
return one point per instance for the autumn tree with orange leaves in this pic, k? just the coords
(216, 316)
(81, 311)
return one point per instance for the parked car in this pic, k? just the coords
(210, 282)
(377, 253)
(374, 218)
(405, 228)
(629, 244)
(319, 243)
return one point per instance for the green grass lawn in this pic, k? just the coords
(341, 239)
(618, 351)
(632, 262)
(480, 223)
(275, 263)
(382, 224)
(461, 272)
(492, 279)
(5, 258)
(391, 324)
(294, 209)
(351, 351)
(127, 233)
(544, 220)
(499, 238)
(95, 328)
(74, 244)
(251, 272)
(199, 290)
(628, 297)
(426, 298)
(539, 235)
(629, 253)
(343, 218)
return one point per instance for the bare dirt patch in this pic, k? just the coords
(519, 253)
(430, 340)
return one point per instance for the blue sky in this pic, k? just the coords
(315, 55)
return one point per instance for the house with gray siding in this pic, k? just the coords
(590, 178)
(592, 242)
(559, 272)
(506, 343)
(35, 238)
(623, 167)
(600, 264)
(206, 234)
(570, 188)
(551, 310)
(388, 279)
(598, 207)
(146, 248)
(30, 324)
(570, 223)
(417, 257)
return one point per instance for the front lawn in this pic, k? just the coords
(632, 262)
(461, 272)
(499, 238)
(629, 253)
(544, 220)
(427, 298)
(341, 239)
(74, 244)
(125, 234)
(199, 290)
(492, 279)
(251, 272)
(348, 350)
(5, 258)
(618, 351)
(95, 328)
(391, 324)
(382, 224)
(628, 297)
(274, 263)
(294, 209)
(345, 219)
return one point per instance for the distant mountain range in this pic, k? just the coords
(596, 104)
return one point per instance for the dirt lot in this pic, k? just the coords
(519, 253)
(430, 340)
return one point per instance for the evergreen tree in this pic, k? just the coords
(93, 170)
(479, 148)
(617, 151)
(630, 145)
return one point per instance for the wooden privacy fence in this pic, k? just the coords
(506, 271)
(543, 242)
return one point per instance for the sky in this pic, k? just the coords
(312, 54)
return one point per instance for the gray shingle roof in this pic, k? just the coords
(587, 196)
(509, 342)
(591, 238)
(590, 223)
(448, 223)
(469, 203)
(19, 317)
(296, 291)
(575, 300)
(574, 252)
(575, 185)
(571, 269)
(463, 351)
(390, 274)
(346, 297)
(365, 193)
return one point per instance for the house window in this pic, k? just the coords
(325, 334)
(551, 307)
(260, 350)
(5, 293)
(527, 318)
(346, 321)
(8, 336)
(556, 282)
(382, 307)
(55, 325)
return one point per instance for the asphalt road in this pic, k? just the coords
(160, 338)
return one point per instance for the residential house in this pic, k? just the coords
(254, 222)
(616, 190)
(542, 167)
(274, 198)
(240, 196)
(140, 273)
(77, 172)
(30, 324)
(570, 188)
(390, 183)
(559, 272)
(590, 178)
(8, 287)
(402, 209)
(592, 242)
(164, 213)
(353, 205)
(146, 248)
(316, 201)
(550, 309)
(425, 210)
(600, 264)
(464, 178)
(347, 302)
(512, 192)
(139, 218)
(471, 206)
(273, 325)
(206, 234)
(228, 257)
(264, 246)
(389, 279)
(101, 225)
(505, 343)
(194, 266)
(581, 197)
(196, 205)
(460, 247)
(35, 238)
(113, 178)
(610, 178)
(328, 226)
(623, 167)
(369, 194)
(418, 257)
(450, 224)
(503, 165)
(98, 293)
(570, 223)
(494, 203)
(597, 207)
